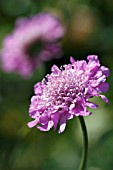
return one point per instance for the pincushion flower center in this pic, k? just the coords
(67, 86)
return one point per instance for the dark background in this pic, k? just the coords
(89, 27)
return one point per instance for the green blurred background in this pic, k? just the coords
(89, 27)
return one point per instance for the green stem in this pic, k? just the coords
(85, 144)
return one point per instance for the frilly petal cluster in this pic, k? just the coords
(65, 93)
(43, 28)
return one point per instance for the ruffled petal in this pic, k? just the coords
(92, 105)
(33, 123)
(38, 88)
(62, 124)
(105, 71)
(43, 120)
(46, 127)
(55, 69)
(85, 113)
(102, 79)
(93, 65)
(55, 117)
(69, 116)
(103, 87)
(104, 98)
(93, 58)
(72, 60)
(98, 74)
(75, 109)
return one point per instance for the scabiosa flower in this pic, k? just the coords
(65, 93)
(34, 39)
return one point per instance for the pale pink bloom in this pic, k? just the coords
(65, 93)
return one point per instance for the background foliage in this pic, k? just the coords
(89, 31)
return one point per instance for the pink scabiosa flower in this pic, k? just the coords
(34, 39)
(65, 93)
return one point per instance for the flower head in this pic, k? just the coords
(34, 39)
(65, 93)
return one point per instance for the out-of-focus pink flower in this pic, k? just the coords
(34, 39)
(65, 93)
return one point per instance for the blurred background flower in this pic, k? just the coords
(89, 30)
(34, 39)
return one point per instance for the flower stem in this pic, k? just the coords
(85, 144)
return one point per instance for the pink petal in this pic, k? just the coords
(104, 98)
(85, 113)
(72, 60)
(62, 124)
(55, 119)
(91, 105)
(103, 87)
(33, 123)
(43, 120)
(93, 58)
(55, 69)
(98, 74)
(62, 128)
(69, 116)
(38, 88)
(105, 71)
(75, 109)
(102, 79)
(46, 127)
